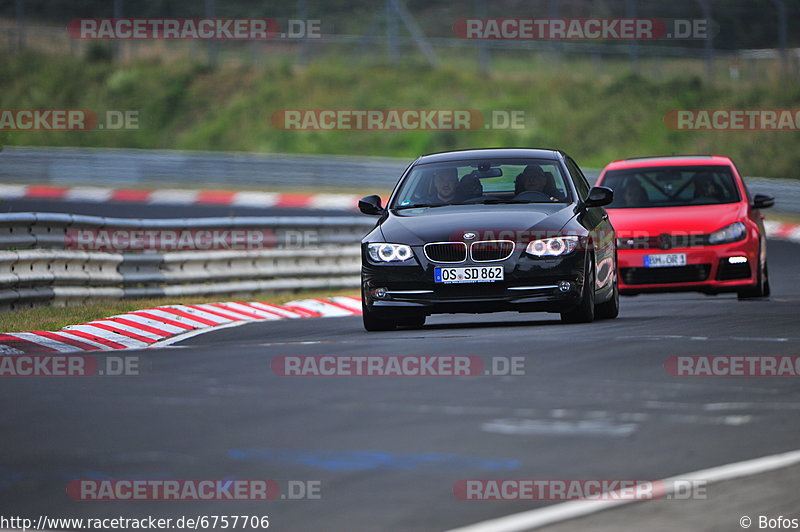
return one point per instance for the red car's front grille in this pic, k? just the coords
(664, 242)
(680, 274)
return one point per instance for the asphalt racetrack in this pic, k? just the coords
(385, 452)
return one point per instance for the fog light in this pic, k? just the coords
(737, 260)
(380, 293)
(564, 286)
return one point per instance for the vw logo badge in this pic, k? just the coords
(469, 236)
(665, 241)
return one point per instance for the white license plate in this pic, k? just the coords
(665, 260)
(473, 274)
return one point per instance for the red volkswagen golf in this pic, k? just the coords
(687, 223)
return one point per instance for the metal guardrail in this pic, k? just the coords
(26, 230)
(40, 265)
(128, 167)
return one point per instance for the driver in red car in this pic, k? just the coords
(705, 187)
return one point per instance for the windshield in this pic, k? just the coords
(483, 182)
(673, 186)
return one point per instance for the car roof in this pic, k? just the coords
(669, 160)
(491, 153)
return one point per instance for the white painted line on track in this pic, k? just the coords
(557, 513)
(582, 427)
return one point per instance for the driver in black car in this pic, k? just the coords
(533, 179)
(445, 183)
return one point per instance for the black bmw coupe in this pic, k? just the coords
(489, 230)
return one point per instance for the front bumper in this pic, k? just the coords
(530, 284)
(708, 269)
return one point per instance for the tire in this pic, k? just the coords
(767, 290)
(610, 309)
(373, 323)
(761, 289)
(584, 311)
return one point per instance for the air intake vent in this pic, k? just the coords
(491, 250)
(446, 252)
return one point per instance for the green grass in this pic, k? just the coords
(55, 318)
(596, 117)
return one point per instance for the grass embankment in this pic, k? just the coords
(55, 318)
(596, 118)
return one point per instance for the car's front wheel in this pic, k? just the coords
(374, 323)
(761, 288)
(584, 311)
(610, 309)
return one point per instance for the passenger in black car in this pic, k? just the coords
(469, 188)
(534, 179)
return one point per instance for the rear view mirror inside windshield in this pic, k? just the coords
(489, 172)
(668, 176)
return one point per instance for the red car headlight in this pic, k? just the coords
(729, 233)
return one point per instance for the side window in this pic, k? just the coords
(581, 184)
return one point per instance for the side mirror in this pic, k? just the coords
(762, 201)
(371, 205)
(599, 197)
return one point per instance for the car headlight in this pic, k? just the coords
(383, 252)
(729, 233)
(552, 247)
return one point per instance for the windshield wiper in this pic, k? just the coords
(498, 201)
(487, 201)
(421, 205)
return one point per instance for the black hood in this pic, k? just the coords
(450, 223)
